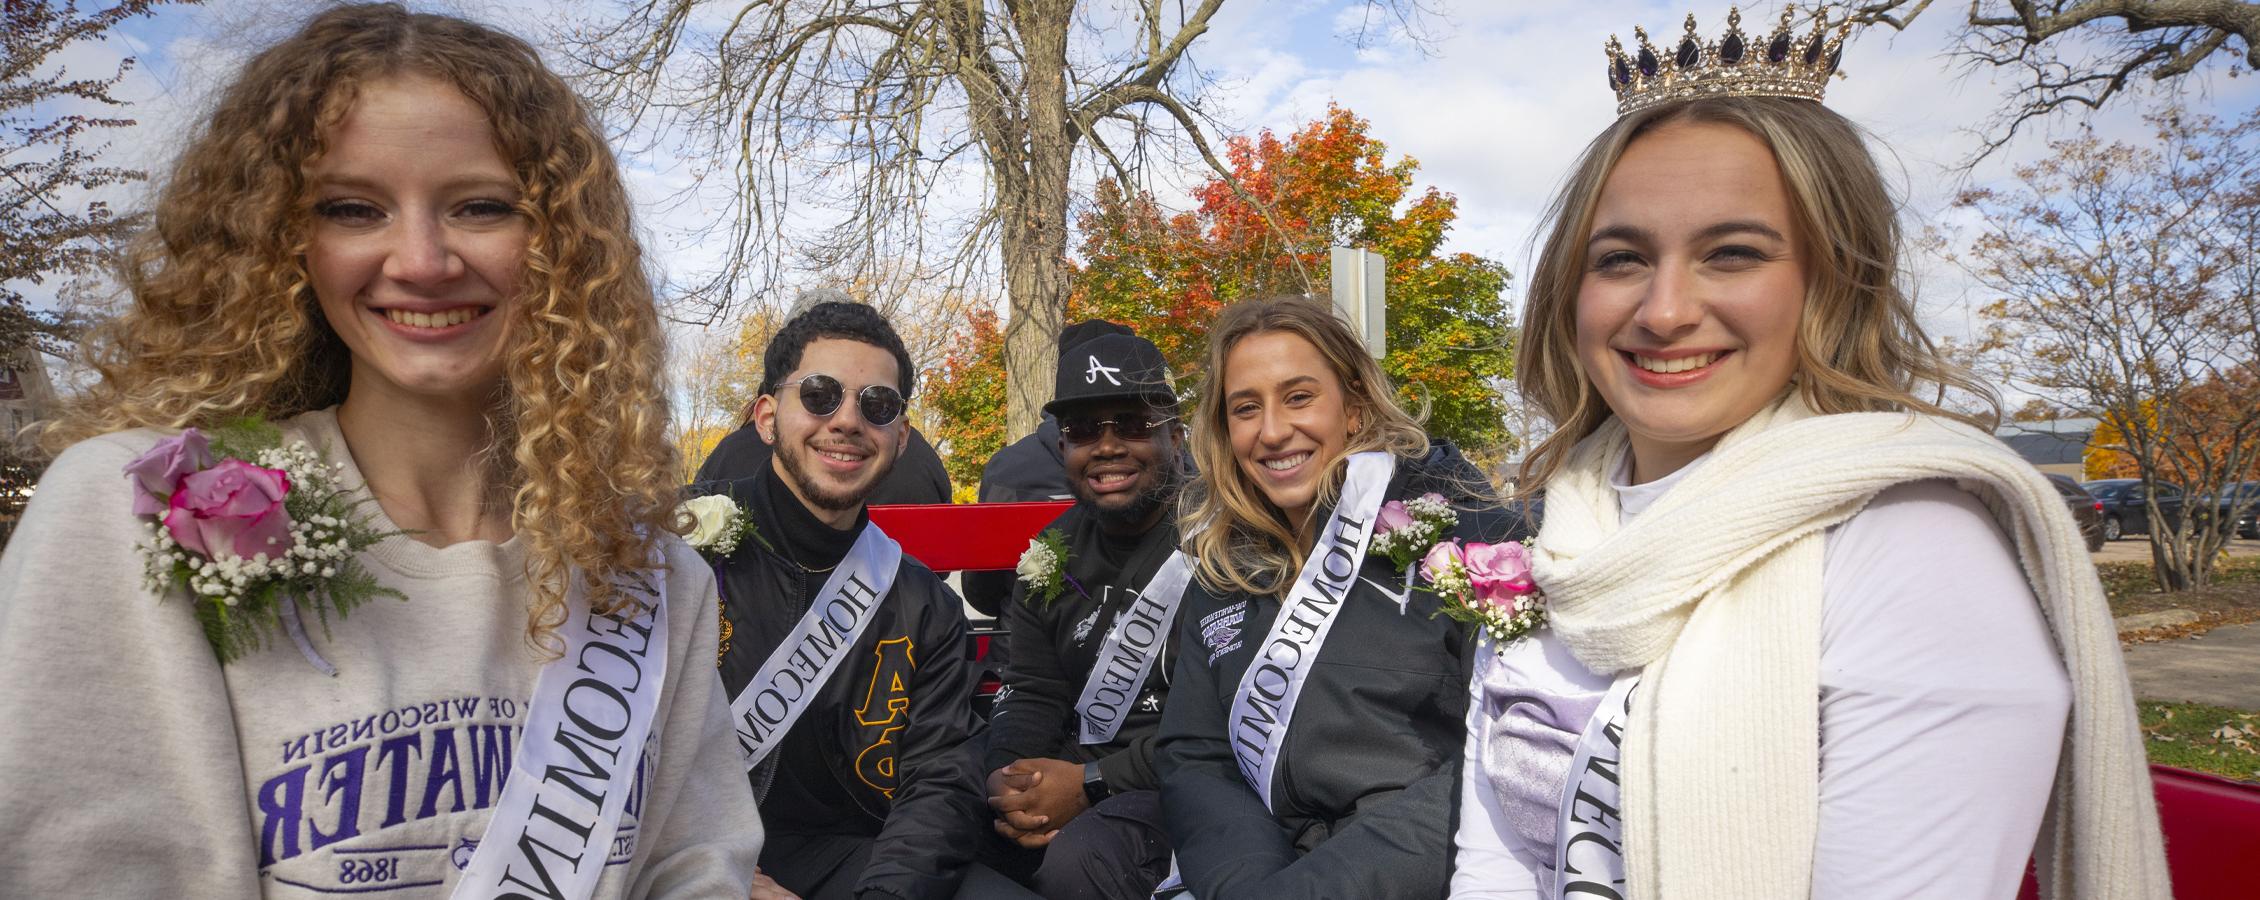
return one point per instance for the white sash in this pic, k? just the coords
(552, 828)
(789, 680)
(1589, 835)
(1127, 655)
(1265, 702)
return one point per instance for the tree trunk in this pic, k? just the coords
(1035, 219)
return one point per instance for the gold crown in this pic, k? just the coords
(1784, 66)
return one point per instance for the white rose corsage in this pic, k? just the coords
(1043, 567)
(715, 524)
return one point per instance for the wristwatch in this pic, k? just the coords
(1094, 784)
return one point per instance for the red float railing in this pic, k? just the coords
(965, 538)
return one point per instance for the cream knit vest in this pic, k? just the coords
(1714, 593)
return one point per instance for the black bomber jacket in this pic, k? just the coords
(883, 752)
(1055, 645)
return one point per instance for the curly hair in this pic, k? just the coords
(578, 430)
(1240, 540)
(1860, 347)
(845, 320)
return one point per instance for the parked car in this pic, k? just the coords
(2124, 511)
(2086, 510)
(2235, 494)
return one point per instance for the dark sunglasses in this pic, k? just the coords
(1131, 428)
(820, 394)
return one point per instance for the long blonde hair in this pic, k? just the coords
(1860, 346)
(1242, 542)
(224, 323)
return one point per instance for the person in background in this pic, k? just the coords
(401, 242)
(1070, 749)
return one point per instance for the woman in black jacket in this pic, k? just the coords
(1313, 736)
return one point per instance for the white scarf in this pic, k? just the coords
(1714, 593)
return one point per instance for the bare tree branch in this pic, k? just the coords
(2083, 54)
(820, 119)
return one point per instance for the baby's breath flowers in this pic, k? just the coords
(1043, 566)
(1487, 585)
(252, 528)
(716, 525)
(1404, 531)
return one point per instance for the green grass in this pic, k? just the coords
(2133, 588)
(2224, 742)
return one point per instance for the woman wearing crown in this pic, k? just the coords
(1811, 634)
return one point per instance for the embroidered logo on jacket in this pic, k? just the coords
(886, 707)
(1220, 630)
(1083, 628)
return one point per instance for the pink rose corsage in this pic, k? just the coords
(1488, 585)
(251, 529)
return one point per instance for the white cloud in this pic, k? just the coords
(1495, 107)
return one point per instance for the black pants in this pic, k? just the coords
(827, 867)
(1113, 851)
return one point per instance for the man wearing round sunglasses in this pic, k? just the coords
(1070, 752)
(917, 475)
(845, 660)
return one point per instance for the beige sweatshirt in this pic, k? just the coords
(132, 764)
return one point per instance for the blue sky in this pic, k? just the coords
(1495, 106)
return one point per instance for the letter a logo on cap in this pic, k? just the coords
(1091, 375)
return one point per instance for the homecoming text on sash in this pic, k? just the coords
(789, 680)
(1264, 706)
(1127, 655)
(585, 733)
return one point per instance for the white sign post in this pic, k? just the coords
(1361, 290)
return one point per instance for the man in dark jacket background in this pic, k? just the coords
(1071, 742)
(1025, 470)
(857, 699)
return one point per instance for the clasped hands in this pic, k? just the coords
(1034, 798)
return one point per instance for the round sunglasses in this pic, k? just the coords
(1080, 431)
(820, 394)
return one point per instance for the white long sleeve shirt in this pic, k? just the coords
(1942, 711)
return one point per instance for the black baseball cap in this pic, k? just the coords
(1112, 366)
(1074, 335)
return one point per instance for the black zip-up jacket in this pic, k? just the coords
(882, 752)
(1055, 646)
(1367, 782)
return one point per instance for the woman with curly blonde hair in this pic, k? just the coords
(1294, 765)
(401, 241)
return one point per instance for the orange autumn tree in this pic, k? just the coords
(2220, 442)
(2124, 278)
(964, 398)
(1267, 232)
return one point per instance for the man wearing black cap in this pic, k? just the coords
(1028, 469)
(1091, 616)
